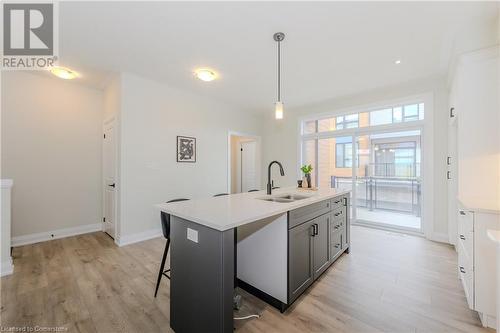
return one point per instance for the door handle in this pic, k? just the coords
(462, 212)
(112, 185)
(314, 230)
(462, 270)
(462, 237)
(317, 229)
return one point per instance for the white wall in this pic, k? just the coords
(51, 148)
(152, 115)
(281, 139)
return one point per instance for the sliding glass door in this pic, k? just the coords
(376, 154)
(388, 179)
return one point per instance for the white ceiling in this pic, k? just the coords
(331, 48)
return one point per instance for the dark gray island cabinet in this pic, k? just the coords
(317, 235)
(274, 250)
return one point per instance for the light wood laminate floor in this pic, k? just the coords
(388, 283)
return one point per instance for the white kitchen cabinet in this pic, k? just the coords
(477, 261)
(474, 177)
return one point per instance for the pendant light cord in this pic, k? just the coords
(279, 71)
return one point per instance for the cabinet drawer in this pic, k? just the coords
(466, 273)
(303, 214)
(466, 243)
(465, 221)
(335, 244)
(336, 225)
(338, 202)
(339, 214)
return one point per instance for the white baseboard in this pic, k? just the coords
(6, 267)
(55, 234)
(138, 237)
(487, 320)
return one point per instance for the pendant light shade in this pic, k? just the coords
(278, 106)
(278, 110)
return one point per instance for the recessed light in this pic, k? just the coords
(397, 62)
(64, 73)
(205, 74)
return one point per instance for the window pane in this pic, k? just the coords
(348, 155)
(309, 157)
(331, 158)
(309, 127)
(381, 117)
(397, 114)
(339, 155)
(325, 125)
(352, 125)
(351, 117)
(410, 112)
(421, 111)
(364, 119)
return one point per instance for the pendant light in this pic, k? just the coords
(278, 106)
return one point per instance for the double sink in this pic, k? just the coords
(285, 198)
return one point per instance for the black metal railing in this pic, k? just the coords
(401, 194)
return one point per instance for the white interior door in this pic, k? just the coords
(248, 171)
(109, 181)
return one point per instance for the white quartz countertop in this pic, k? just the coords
(481, 205)
(230, 211)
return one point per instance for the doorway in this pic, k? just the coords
(109, 178)
(388, 179)
(244, 163)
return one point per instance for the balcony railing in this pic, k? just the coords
(401, 194)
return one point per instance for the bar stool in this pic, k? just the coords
(220, 194)
(165, 226)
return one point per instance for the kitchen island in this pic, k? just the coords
(273, 246)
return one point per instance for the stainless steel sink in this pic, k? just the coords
(276, 199)
(284, 198)
(293, 197)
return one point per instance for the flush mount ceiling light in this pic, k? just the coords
(205, 74)
(278, 106)
(397, 62)
(64, 73)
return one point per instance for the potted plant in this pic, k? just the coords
(306, 169)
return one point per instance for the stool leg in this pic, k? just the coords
(160, 273)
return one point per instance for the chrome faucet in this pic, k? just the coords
(269, 186)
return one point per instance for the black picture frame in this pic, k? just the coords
(183, 151)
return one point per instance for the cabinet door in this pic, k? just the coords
(321, 253)
(300, 268)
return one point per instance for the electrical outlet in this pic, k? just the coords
(192, 235)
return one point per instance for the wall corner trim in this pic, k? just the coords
(138, 237)
(439, 237)
(55, 234)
